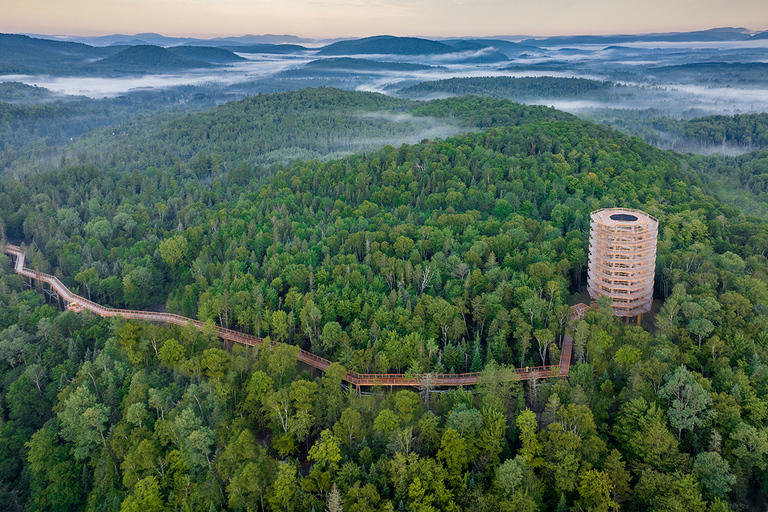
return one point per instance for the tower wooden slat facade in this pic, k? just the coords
(622, 259)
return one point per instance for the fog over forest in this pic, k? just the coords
(267, 273)
(674, 79)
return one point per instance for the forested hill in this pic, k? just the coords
(22, 54)
(445, 255)
(148, 58)
(519, 89)
(737, 133)
(388, 45)
(747, 131)
(347, 63)
(304, 124)
(206, 54)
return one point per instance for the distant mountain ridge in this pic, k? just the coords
(502, 43)
(277, 49)
(161, 40)
(44, 55)
(24, 54)
(458, 52)
(154, 53)
(710, 35)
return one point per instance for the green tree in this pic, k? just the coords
(715, 475)
(700, 327)
(14, 345)
(491, 438)
(669, 492)
(88, 278)
(453, 453)
(138, 288)
(214, 363)
(331, 336)
(527, 426)
(642, 431)
(689, 402)
(83, 422)
(595, 490)
(616, 470)
(509, 476)
(750, 446)
(174, 250)
(545, 338)
(55, 475)
(349, 427)
(282, 360)
(283, 495)
(326, 452)
(248, 486)
(386, 421)
(406, 404)
(332, 392)
(145, 497)
(171, 353)
(280, 325)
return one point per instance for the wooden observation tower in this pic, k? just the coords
(622, 259)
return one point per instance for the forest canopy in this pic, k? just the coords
(448, 255)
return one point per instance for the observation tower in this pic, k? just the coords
(622, 259)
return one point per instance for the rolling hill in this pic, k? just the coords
(523, 88)
(23, 54)
(350, 64)
(147, 58)
(387, 45)
(277, 49)
(206, 54)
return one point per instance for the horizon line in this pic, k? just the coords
(60, 36)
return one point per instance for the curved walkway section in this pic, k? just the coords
(79, 303)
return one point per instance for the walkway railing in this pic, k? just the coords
(315, 361)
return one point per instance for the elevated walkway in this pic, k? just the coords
(77, 304)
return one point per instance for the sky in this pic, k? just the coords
(357, 18)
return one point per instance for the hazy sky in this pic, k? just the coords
(336, 18)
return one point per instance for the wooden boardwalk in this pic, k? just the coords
(78, 303)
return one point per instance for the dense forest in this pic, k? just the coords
(318, 123)
(739, 180)
(38, 126)
(741, 132)
(446, 255)
(749, 131)
(518, 89)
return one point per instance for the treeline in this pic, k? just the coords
(739, 180)
(506, 87)
(37, 126)
(311, 123)
(17, 92)
(748, 131)
(738, 133)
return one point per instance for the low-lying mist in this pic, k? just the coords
(673, 78)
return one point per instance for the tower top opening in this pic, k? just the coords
(624, 217)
